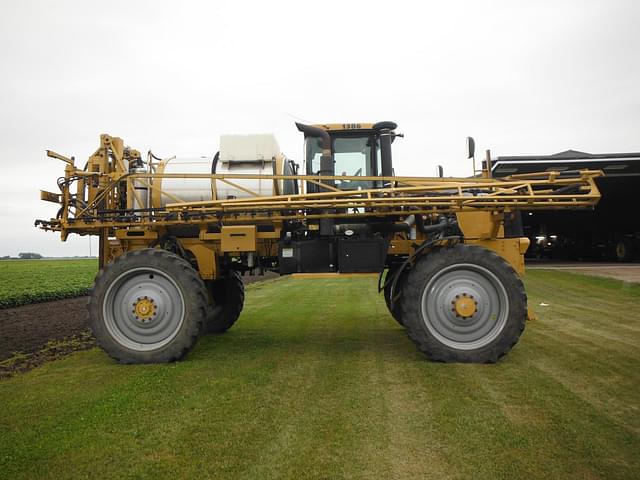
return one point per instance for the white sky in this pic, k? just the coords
(522, 77)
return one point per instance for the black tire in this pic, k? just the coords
(147, 306)
(624, 250)
(227, 295)
(395, 312)
(449, 283)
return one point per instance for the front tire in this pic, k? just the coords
(463, 304)
(147, 306)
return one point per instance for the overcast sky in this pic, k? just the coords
(522, 77)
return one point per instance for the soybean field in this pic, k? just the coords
(32, 281)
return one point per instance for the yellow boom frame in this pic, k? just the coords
(480, 205)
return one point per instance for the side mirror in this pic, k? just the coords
(471, 147)
(440, 171)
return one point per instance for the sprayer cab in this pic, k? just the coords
(349, 150)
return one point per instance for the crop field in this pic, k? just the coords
(316, 380)
(29, 281)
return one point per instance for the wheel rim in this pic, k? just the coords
(143, 309)
(465, 306)
(621, 250)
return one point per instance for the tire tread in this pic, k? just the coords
(195, 306)
(411, 306)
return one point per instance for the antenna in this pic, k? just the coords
(309, 122)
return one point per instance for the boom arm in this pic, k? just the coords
(107, 203)
(544, 191)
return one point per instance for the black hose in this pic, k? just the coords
(166, 241)
(442, 225)
(396, 276)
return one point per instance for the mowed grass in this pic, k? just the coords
(29, 281)
(317, 381)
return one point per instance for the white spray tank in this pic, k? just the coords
(257, 154)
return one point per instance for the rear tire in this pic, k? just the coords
(228, 300)
(624, 250)
(147, 306)
(464, 304)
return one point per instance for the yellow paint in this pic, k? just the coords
(465, 306)
(156, 186)
(238, 238)
(511, 249)
(480, 225)
(345, 126)
(50, 196)
(205, 257)
(144, 308)
(136, 234)
(401, 246)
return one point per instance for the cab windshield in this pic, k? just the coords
(352, 157)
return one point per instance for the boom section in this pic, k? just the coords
(107, 194)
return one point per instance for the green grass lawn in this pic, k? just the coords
(317, 381)
(28, 281)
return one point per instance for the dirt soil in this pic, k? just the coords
(28, 328)
(36, 333)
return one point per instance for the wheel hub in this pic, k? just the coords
(464, 305)
(144, 309)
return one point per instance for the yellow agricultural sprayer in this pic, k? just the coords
(176, 235)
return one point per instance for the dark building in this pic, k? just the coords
(610, 231)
